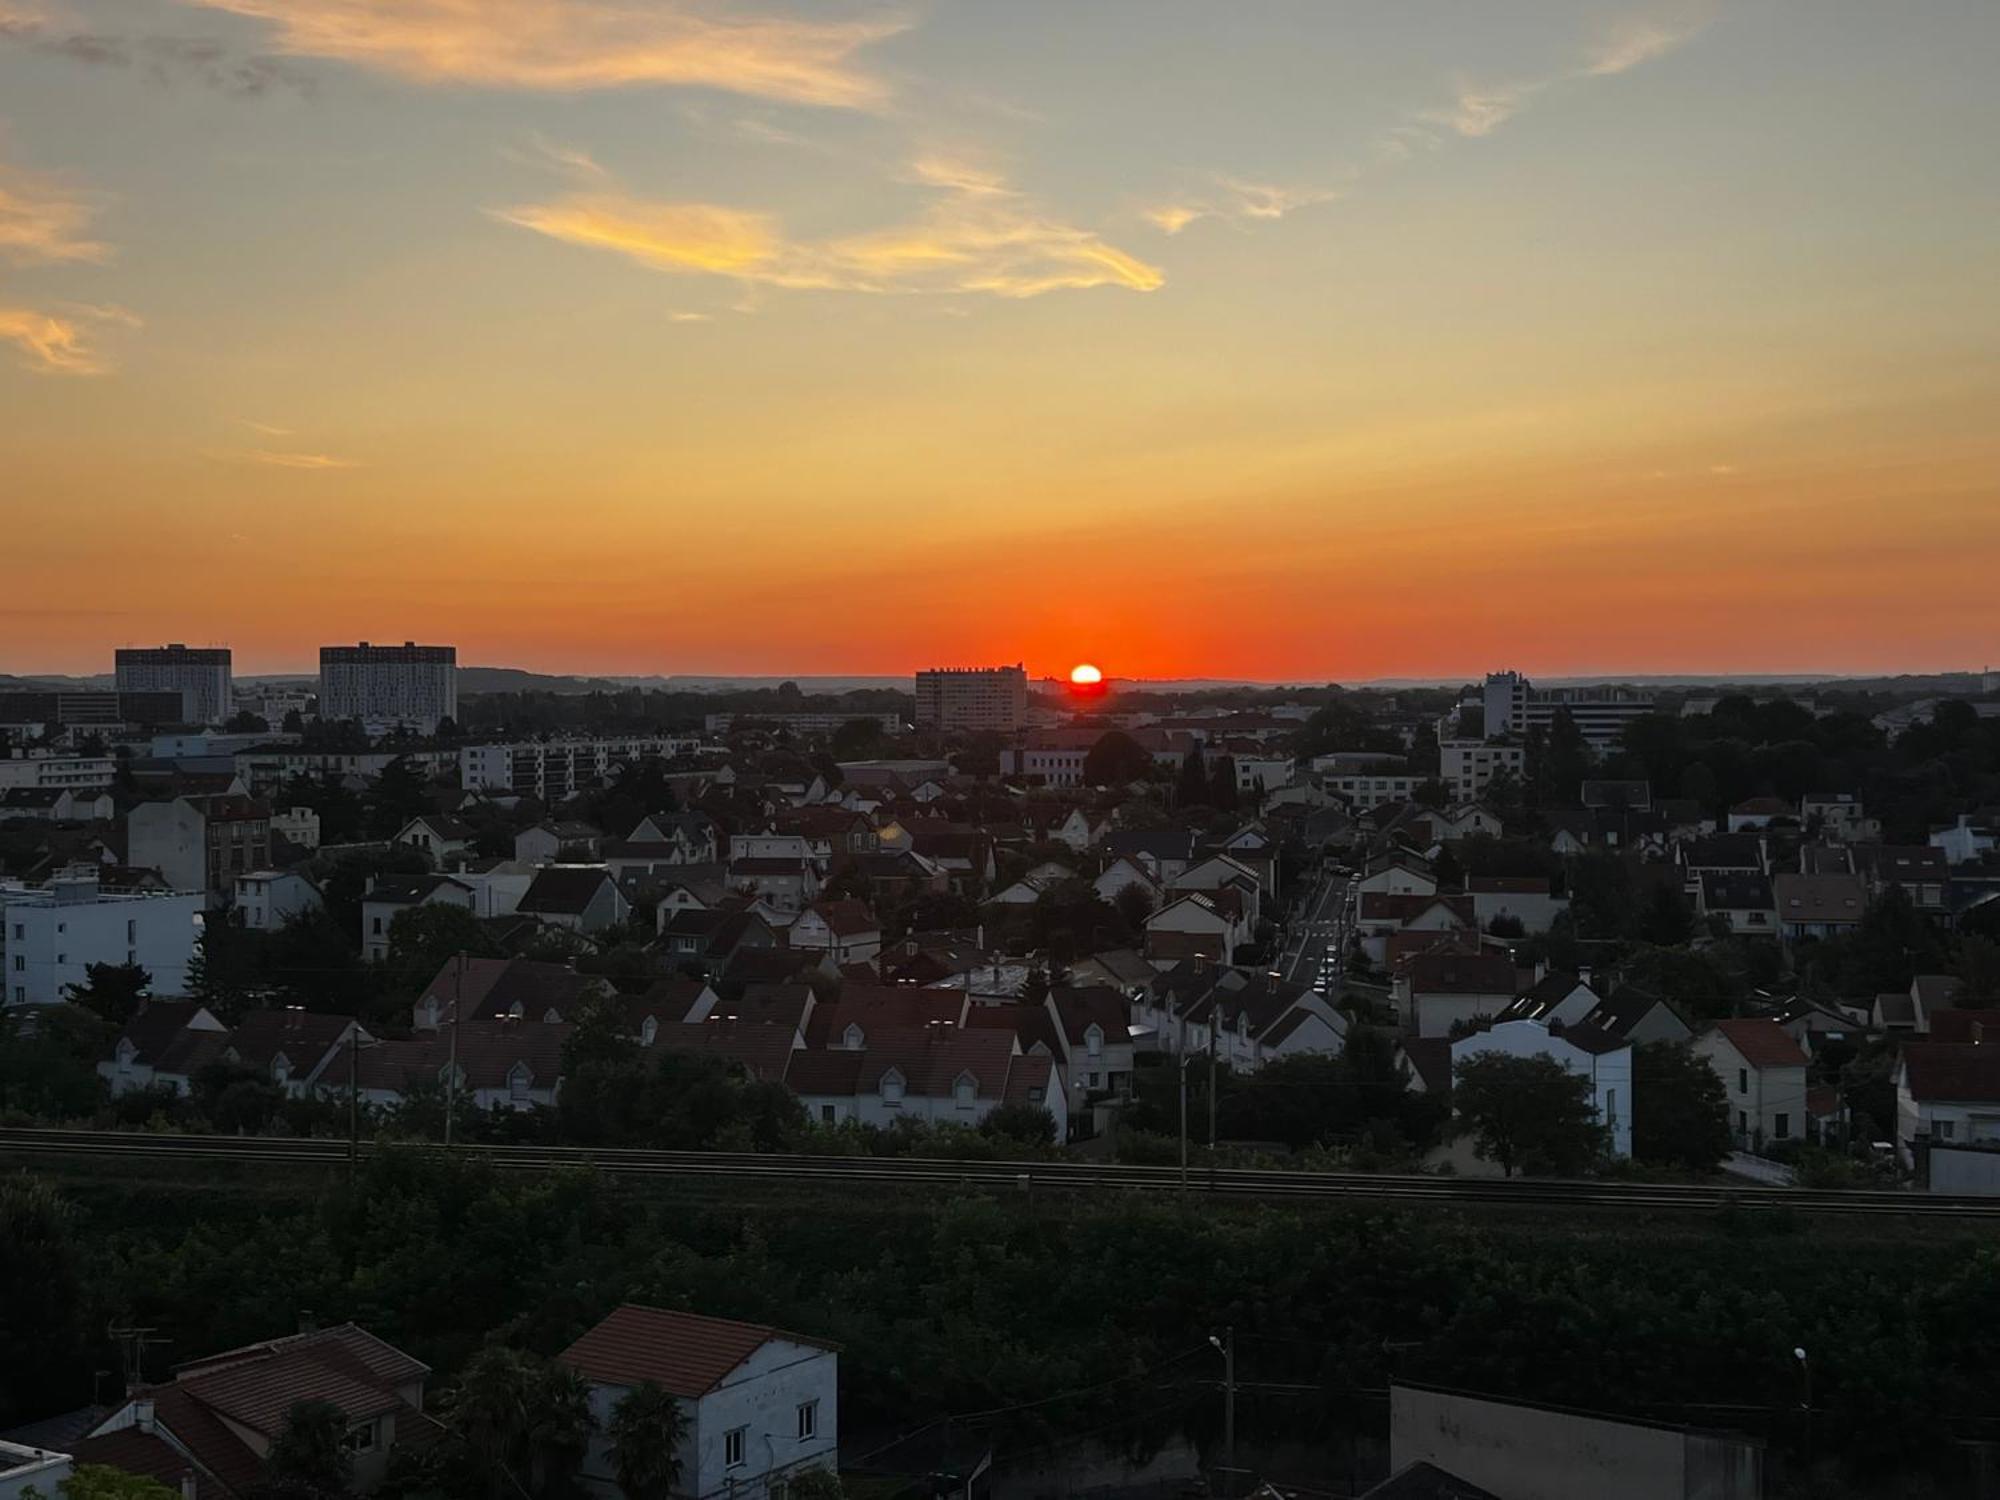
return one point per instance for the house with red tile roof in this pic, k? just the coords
(1948, 1093)
(1435, 991)
(1764, 1073)
(844, 927)
(208, 1431)
(762, 1406)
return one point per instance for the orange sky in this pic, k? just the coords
(1305, 342)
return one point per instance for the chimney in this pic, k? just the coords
(1583, 974)
(188, 1490)
(142, 1414)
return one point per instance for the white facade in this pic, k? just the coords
(1468, 767)
(1364, 790)
(267, 899)
(86, 772)
(55, 932)
(1053, 765)
(556, 770)
(973, 698)
(1610, 1073)
(407, 684)
(28, 1471)
(1515, 706)
(749, 1432)
(1765, 1103)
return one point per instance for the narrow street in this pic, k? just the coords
(1317, 955)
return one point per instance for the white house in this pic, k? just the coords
(1582, 1050)
(268, 899)
(388, 895)
(1521, 898)
(438, 835)
(55, 932)
(1437, 991)
(1965, 840)
(845, 928)
(1764, 1074)
(581, 898)
(761, 1406)
(1398, 875)
(1949, 1092)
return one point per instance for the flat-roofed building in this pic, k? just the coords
(200, 674)
(973, 698)
(407, 684)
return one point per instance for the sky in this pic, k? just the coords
(1276, 339)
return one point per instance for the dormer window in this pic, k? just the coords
(852, 1038)
(431, 1012)
(1093, 1039)
(515, 1012)
(965, 1092)
(649, 1031)
(281, 1068)
(892, 1088)
(519, 1082)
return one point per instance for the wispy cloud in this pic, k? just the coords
(584, 44)
(62, 342)
(687, 317)
(977, 235)
(265, 427)
(165, 59)
(540, 151)
(43, 221)
(1623, 43)
(278, 460)
(1235, 199)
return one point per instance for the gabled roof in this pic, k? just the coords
(684, 1354)
(1941, 1072)
(155, 1026)
(1820, 898)
(1078, 1008)
(1736, 890)
(257, 1385)
(846, 917)
(493, 986)
(1458, 974)
(1624, 1009)
(1761, 1043)
(303, 1036)
(565, 890)
(408, 890)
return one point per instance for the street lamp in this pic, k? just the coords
(1805, 1403)
(1226, 1347)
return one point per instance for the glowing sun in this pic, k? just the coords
(1085, 675)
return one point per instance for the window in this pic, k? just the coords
(20, 931)
(732, 1447)
(20, 994)
(360, 1439)
(827, 1113)
(1742, 1080)
(131, 932)
(808, 1420)
(517, 1084)
(1781, 1126)
(965, 1093)
(20, 962)
(1742, 1122)
(376, 928)
(1944, 1130)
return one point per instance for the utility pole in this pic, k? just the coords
(451, 1067)
(1227, 1346)
(1180, 1059)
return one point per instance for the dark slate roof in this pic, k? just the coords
(1426, 1481)
(564, 890)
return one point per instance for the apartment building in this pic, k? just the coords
(1467, 767)
(973, 698)
(55, 932)
(200, 674)
(555, 770)
(408, 685)
(1515, 706)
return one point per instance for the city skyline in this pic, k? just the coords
(1319, 341)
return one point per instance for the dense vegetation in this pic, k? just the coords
(971, 1302)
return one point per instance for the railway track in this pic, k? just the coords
(1038, 1176)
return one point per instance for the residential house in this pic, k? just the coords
(200, 843)
(1819, 906)
(1720, 854)
(789, 882)
(1908, 1013)
(1949, 1093)
(165, 1044)
(57, 804)
(1124, 872)
(440, 836)
(1764, 1073)
(1581, 1050)
(760, 1407)
(579, 898)
(1436, 991)
(1758, 813)
(1397, 874)
(388, 896)
(207, 1433)
(1971, 838)
(1161, 853)
(503, 1064)
(268, 899)
(1526, 899)
(1742, 901)
(845, 928)
(937, 1073)
(566, 841)
(713, 938)
(1208, 923)
(1095, 1026)
(1219, 872)
(291, 1047)
(1556, 998)
(1920, 871)
(493, 989)
(1838, 816)
(1639, 1017)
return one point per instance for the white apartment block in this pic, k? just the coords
(1515, 706)
(800, 723)
(1468, 767)
(973, 698)
(200, 674)
(555, 770)
(74, 772)
(1055, 765)
(54, 932)
(1375, 789)
(407, 684)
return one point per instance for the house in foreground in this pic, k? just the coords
(207, 1432)
(761, 1406)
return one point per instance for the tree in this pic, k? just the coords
(523, 1419)
(48, 1061)
(1558, 761)
(308, 1455)
(1680, 1110)
(1978, 971)
(1447, 871)
(1222, 784)
(1191, 787)
(1134, 904)
(101, 1482)
(816, 1484)
(1529, 1114)
(399, 794)
(1665, 918)
(1116, 760)
(1020, 1124)
(425, 937)
(293, 722)
(646, 1431)
(113, 991)
(41, 1301)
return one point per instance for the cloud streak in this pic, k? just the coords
(583, 44)
(976, 235)
(163, 58)
(1237, 200)
(59, 343)
(1625, 44)
(43, 221)
(275, 460)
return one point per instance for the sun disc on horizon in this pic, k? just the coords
(1085, 675)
